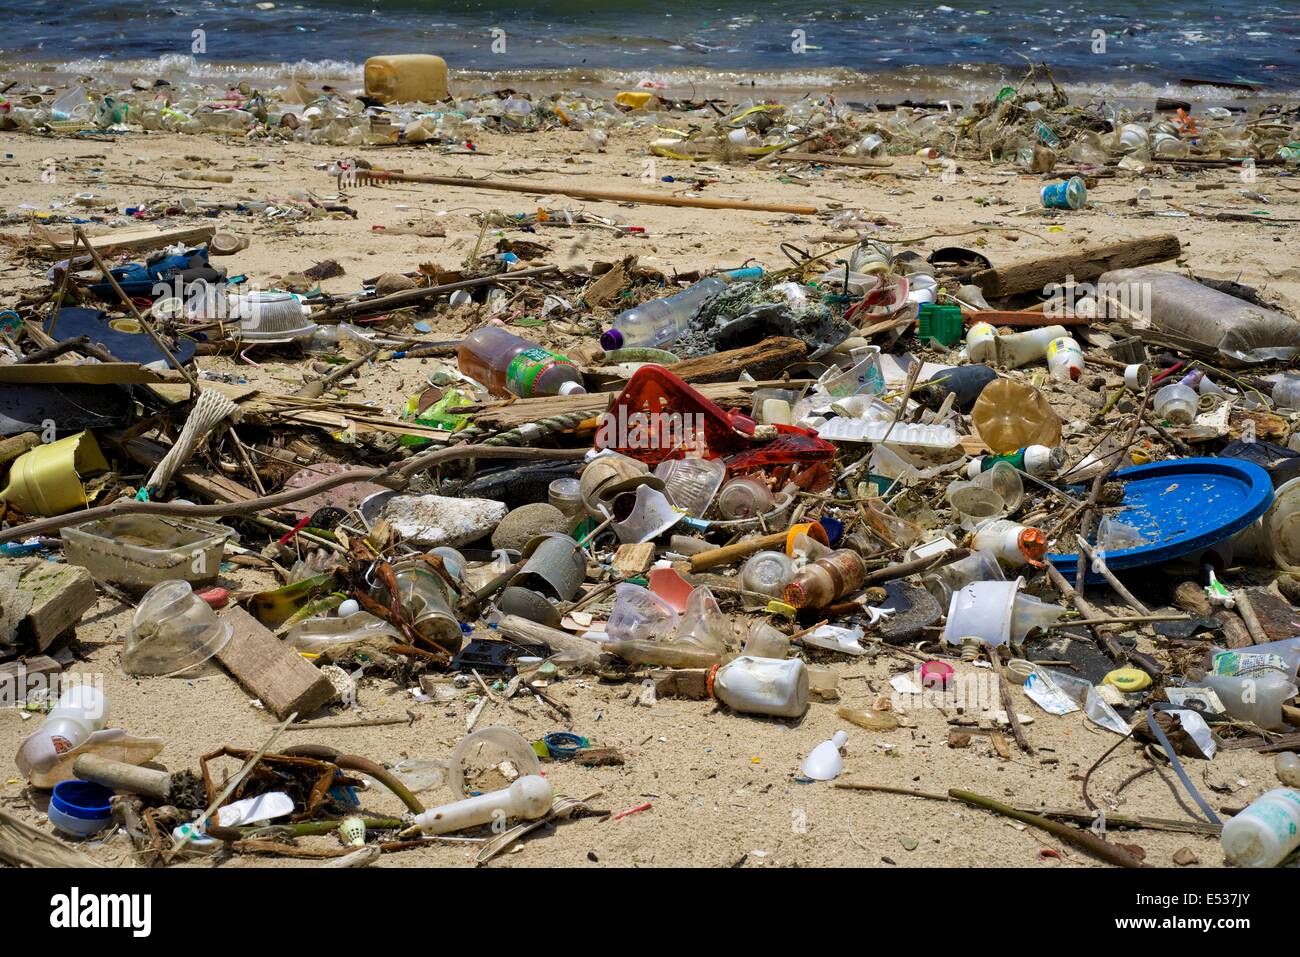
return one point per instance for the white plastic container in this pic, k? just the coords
(981, 342)
(1064, 359)
(80, 712)
(763, 686)
(982, 610)
(1176, 404)
(1287, 766)
(1021, 348)
(1282, 526)
(529, 797)
(1266, 832)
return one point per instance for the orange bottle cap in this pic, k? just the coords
(1033, 545)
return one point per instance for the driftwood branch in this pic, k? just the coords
(394, 476)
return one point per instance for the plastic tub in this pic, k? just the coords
(173, 632)
(691, 484)
(143, 550)
(487, 749)
(80, 808)
(982, 610)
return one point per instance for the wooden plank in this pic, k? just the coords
(1084, 264)
(133, 240)
(282, 679)
(99, 373)
(58, 594)
(633, 559)
(766, 360)
(18, 678)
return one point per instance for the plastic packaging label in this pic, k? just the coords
(525, 368)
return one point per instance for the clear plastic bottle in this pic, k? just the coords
(661, 321)
(1266, 832)
(510, 365)
(829, 578)
(762, 686)
(1287, 766)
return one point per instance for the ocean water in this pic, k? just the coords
(1101, 44)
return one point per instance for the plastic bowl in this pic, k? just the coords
(80, 808)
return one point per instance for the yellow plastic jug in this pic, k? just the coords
(406, 78)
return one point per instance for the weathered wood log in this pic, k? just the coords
(1083, 265)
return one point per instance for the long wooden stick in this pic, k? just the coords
(610, 195)
(393, 476)
(1084, 840)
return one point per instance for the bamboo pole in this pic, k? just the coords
(609, 195)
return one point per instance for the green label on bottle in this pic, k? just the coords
(524, 369)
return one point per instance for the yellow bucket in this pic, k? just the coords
(47, 480)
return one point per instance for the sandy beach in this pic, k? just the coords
(721, 786)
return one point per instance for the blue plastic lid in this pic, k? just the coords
(1180, 507)
(83, 800)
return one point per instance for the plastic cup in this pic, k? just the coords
(1176, 404)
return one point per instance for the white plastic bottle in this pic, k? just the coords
(1011, 542)
(1064, 359)
(1266, 832)
(529, 797)
(81, 711)
(1021, 348)
(762, 686)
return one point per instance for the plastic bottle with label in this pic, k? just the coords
(80, 712)
(661, 321)
(1064, 359)
(1036, 460)
(1021, 348)
(1011, 542)
(511, 365)
(1265, 832)
(820, 583)
(762, 686)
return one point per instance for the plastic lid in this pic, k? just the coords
(572, 388)
(82, 799)
(173, 631)
(611, 339)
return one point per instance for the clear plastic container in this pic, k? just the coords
(639, 613)
(333, 636)
(490, 758)
(511, 365)
(173, 632)
(1176, 404)
(1286, 393)
(744, 497)
(566, 495)
(143, 550)
(946, 579)
(1256, 697)
(764, 641)
(691, 483)
(1287, 766)
(703, 624)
